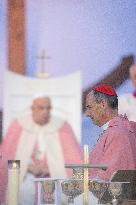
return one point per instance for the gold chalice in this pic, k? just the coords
(98, 188)
(72, 188)
(48, 188)
(79, 183)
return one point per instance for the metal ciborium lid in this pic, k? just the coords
(115, 190)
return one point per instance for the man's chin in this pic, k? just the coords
(43, 122)
(95, 122)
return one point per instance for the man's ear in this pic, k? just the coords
(103, 103)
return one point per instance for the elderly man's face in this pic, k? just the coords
(133, 74)
(41, 110)
(94, 110)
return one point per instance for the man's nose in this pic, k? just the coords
(46, 111)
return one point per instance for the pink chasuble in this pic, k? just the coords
(116, 148)
(70, 149)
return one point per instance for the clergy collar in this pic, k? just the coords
(105, 126)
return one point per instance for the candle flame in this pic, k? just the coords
(14, 166)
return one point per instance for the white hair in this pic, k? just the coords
(39, 95)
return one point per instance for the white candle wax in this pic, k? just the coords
(13, 186)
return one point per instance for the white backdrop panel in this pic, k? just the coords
(65, 94)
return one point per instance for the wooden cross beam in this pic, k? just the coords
(115, 78)
(16, 36)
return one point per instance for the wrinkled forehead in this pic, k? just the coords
(42, 101)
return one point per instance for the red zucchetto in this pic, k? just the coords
(106, 89)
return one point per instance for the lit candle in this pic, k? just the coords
(13, 182)
(86, 175)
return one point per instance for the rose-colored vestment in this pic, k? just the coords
(116, 147)
(59, 132)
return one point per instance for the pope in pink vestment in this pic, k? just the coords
(21, 142)
(116, 147)
(127, 105)
(127, 101)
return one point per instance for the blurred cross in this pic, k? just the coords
(42, 58)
